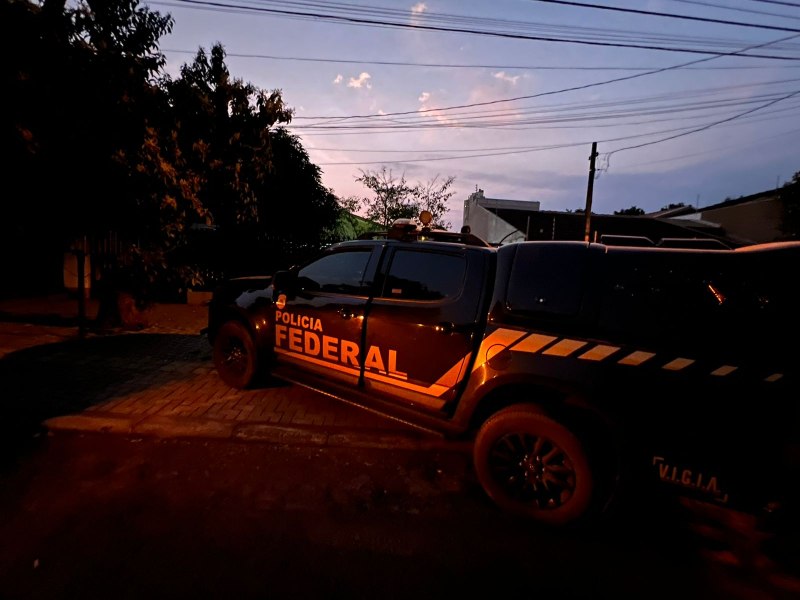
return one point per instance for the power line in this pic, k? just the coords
(794, 4)
(530, 149)
(566, 107)
(560, 91)
(713, 150)
(708, 126)
(352, 20)
(466, 66)
(517, 124)
(669, 15)
(733, 8)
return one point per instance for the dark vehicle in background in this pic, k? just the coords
(581, 371)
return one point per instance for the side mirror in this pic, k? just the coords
(284, 282)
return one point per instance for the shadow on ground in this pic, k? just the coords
(51, 380)
(48, 319)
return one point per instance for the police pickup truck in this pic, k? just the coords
(579, 370)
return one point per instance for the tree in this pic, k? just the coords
(223, 128)
(295, 211)
(82, 86)
(433, 197)
(633, 211)
(672, 205)
(790, 194)
(394, 198)
(100, 140)
(348, 224)
(260, 188)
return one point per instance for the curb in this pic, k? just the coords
(193, 427)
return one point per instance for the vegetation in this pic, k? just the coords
(790, 194)
(394, 198)
(633, 211)
(105, 147)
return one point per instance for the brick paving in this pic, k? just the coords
(159, 380)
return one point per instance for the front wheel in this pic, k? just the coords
(235, 355)
(532, 465)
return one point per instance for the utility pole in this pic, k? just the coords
(589, 189)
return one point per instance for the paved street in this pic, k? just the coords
(158, 381)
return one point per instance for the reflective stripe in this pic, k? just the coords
(434, 390)
(774, 377)
(451, 378)
(564, 347)
(678, 364)
(495, 342)
(723, 370)
(319, 362)
(636, 358)
(534, 342)
(599, 352)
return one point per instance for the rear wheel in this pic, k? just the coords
(235, 355)
(533, 465)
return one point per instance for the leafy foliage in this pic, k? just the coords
(790, 194)
(433, 196)
(394, 198)
(101, 141)
(633, 211)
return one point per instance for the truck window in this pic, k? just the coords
(415, 275)
(547, 280)
(339, 272)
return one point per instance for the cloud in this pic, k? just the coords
(361, 81)
(419, 7)
(424, 97)
(503, 76)
(338, 79)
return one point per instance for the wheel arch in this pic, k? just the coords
(235, 313)
(597, 430)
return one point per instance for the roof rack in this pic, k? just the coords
(700, 243)
(626, 240)
(408, 230)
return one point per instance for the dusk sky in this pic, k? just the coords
(511, 102)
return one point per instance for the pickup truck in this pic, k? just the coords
(578, 370)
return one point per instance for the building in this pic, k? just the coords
(733, 223)
(751, 219)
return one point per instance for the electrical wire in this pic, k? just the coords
(470, 66)
(651, 13)
(553, 92)
(733, 8)
(355, 20)
(707, 126)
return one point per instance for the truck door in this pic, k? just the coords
(421, 325)
(318, 327)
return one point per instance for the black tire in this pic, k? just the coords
(532, 465)
(235, 355)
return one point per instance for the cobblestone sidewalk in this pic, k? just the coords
(160, 381)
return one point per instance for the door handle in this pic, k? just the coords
(346, 313)
(448, 328)
(445, 328)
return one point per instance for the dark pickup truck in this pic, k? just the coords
(578, 369)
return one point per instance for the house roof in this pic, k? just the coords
(538, 225)
(743, 199)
